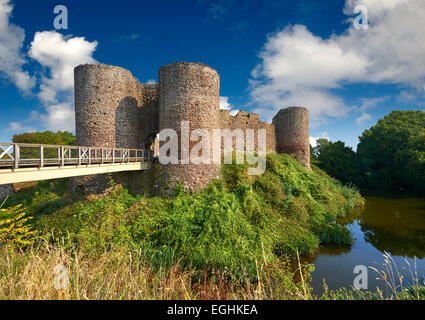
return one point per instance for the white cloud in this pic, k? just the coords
(368, 103)
(313, 140)
(364, 117)
(60, 55)
(299, 68)
(59, 117)
(151, 81)
(17, 127)
(11, 58)
(224, 103)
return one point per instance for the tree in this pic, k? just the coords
(338, 160)
(392, 153)
(47, 137)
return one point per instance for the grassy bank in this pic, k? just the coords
(227, 241)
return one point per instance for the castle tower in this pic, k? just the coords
(189, 92)
(107, 107)
(108, 113)
(292, 133)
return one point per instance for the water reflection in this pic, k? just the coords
(384, 224)
(396, 226)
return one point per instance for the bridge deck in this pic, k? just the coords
(44, 162)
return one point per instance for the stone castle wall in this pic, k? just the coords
(108, 104)
(114, 110)
(245, 120)
(149, 116)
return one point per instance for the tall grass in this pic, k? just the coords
(227, 241)
(125, 274)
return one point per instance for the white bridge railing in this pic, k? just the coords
(22, 155)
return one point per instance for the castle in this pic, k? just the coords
(112, 109)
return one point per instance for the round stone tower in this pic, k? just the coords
(292, 133)
(107, 107)
(189, 92)
(107, 114)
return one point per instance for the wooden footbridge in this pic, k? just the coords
(21, 162)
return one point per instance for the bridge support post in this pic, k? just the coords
(16, 153)
(63, 156)
(41, 155)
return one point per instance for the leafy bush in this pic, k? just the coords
(14, 228)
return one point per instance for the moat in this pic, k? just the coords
(395, 225)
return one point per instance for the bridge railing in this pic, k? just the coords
(23, 155)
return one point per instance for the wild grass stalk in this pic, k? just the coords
(396, 286)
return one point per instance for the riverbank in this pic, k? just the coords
(231, 238)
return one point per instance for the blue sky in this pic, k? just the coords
(269, 54)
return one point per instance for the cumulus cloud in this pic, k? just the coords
(226, 105)
(11, 58)
(59, 55)
(300, 68)
(60, 117)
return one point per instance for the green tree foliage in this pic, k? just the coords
(392, 152)
(338, 160)
(47, 137)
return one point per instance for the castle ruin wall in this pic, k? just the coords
(245, 120)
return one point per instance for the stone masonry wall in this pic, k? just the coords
(108, 113)
(245, 120)
(108, 104)
(112, 109)
(189, 92)
(292, 133)
(149, 114)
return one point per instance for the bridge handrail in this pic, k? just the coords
(85, 155)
